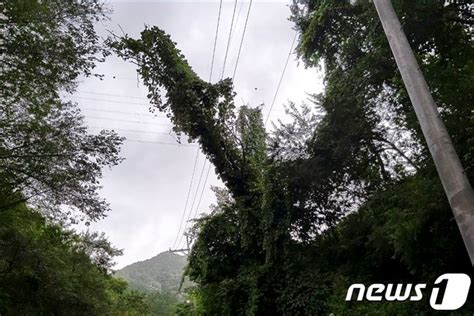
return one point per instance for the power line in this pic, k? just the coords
(222, 76)
(242, 39)
(126, 121)
(122, 112)
(158, 142)
(237, 19)
(111, 95)
(187, 197)
(194, 200)
(228, 41)
(202, 191)
(233, 75)
(281, 78)
(111, 101)
(134, 131)
(197, 151)
(215, 39)
(122, 78)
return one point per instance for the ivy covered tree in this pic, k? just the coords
(240, 247)
(234, 142)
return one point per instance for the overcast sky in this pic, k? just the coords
(147, 192)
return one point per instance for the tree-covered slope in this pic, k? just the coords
(46, 269)
(161, 273)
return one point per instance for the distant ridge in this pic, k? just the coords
(161, 273)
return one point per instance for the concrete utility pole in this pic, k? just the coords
(455, 184)
(189, 240)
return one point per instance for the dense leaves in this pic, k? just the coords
(354, 199)
(403, 229)
(50, 167)
(46, 270)
(47, 157)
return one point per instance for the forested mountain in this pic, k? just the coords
(161, 273)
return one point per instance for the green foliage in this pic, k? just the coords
(202, 110)
(46, 155)
(358, 201)
(49, 163)
(44, 270)
(162, 303)
(404, 234)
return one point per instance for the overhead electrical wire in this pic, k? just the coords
(233, 76)
(133, 131)
(111, 101)
(111, 95)
(112, 119)
(125, 121)
(158, 142)
(194, 200)
(202, 191)
(242, 40)
(281, 78)
(237, 19)
(187, 199)
(122, 112)
(228, 41)
(197, 151)
(222, 76)
(145, 132)
(215, 39)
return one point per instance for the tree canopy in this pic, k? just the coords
(50, 167)
(47, 156)
(47, 270)
(345, 193)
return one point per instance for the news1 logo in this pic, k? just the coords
(449, 291)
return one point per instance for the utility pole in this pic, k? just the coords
(182, 250)
(455, 183)
(189, 240)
